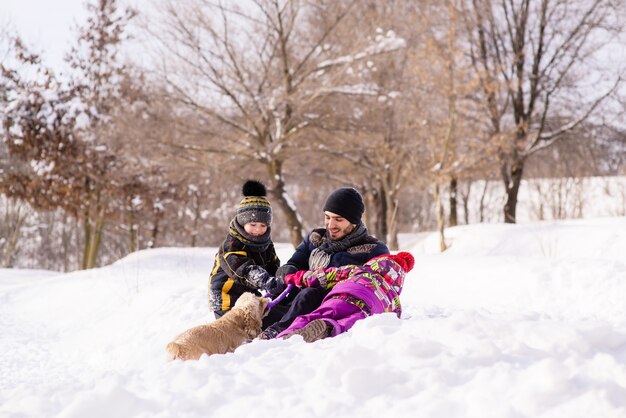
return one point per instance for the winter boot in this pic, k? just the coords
(313, 331)
(268, 334)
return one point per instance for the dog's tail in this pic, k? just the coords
(173, 350)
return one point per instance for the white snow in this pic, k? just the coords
(512, 321)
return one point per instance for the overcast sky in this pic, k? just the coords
(47, 26)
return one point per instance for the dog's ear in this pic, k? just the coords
(173, 350)
(263, 302)
(252, 324)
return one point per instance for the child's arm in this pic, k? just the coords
(236, 264)
(242, 269)
(326, 278)
(258, 278)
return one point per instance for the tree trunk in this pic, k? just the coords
(465, 198)
(11, 247)
(155, 229)
(95, 242)
(388, 194)
(133, 232)
(87, 241)
(440, 219)
(392, 235)
(392, 227)
(381, 220)
(283, 200)
(454, 217)
(368, 200)
(66, 236)
(481, 208)
(196, 222)
(512, 181)
(375, 211)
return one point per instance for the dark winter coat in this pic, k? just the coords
(358, 252)
(229, 278)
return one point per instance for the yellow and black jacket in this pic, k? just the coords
(233, 260)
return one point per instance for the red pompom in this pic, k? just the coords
(405, 260)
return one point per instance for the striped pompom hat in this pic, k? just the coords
(254, 207)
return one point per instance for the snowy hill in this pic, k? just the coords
(512, 321)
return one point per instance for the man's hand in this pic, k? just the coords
(274, 286)
(285, 269)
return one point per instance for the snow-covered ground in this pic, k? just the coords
(512, 321)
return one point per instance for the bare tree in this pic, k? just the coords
(99, 77)
(535, 60)
(374, 140)
(258, 75)
(446, 117)
(59, 130)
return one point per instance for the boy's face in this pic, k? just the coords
(255, 229)
(337, 226)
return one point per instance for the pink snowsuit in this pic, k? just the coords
(356, 292)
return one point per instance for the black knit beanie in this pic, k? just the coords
(347, 203)
(254, 207)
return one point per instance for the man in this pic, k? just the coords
(343, 241)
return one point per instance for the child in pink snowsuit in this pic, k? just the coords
(356, 293)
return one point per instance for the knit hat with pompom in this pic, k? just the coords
(405, 260)
(254, 207)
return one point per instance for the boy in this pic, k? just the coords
(246, 260)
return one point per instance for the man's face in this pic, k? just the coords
(337, 226)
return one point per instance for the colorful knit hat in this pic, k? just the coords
(405, 260)
(347, 203)
(254, 207)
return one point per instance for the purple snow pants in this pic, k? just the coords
(337, 312)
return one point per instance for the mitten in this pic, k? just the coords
(274, 286)
(295, 278)
(285, 270)
(256, 276)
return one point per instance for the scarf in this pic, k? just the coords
(320, 256)
(259, 243)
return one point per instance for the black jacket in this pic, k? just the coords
(228, 280)
(357, 254)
